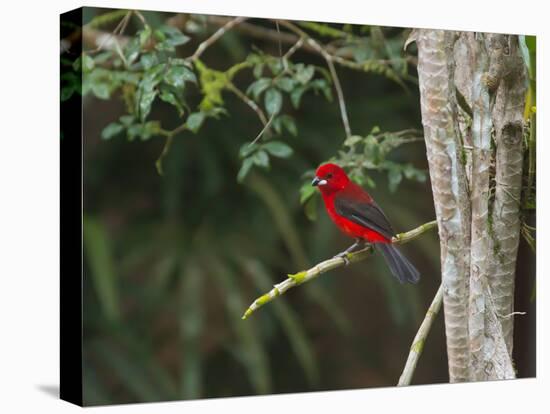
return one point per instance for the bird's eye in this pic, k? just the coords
(329, 175)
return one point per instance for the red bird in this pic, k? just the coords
(356, 214)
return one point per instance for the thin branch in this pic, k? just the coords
(265, 128)
(323, 267)
(340, 93)
(217, 34)
(110, 41)
(167, 145)
(165, 149)
(285, 66)
(293, 49)
(329, 59)
(253, 105)
(264, 33)
(412, 234)
(420, 338)
(141, 18)
(246, 28)
(102, 41)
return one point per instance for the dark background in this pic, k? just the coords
(172, 262)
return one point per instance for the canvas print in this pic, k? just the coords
(269, 206)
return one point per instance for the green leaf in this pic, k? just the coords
(77, 64)
(101, 90)
(323, 86)
(289, 124)
(352, 140)
(306, 192)
(178, 75)
(277, 125)
(261, 159)
(102, 57)
(150, 129)
(170, 97)
(296, 96)
(148, 60)
(247, 149)
(144, 35)
(394, 178)
(67, 92)
(147, 90)
(310, 208)
(134, 131)
(164, 47)
(88, 63)
(286, 84)
(275, 65)
(273, 101)
(258, 70)
(304, 73)
(144, 131)
(174, 37)
(245, 168)
(127, 120)
(111, 130)
(159, 35)
(145, 103)
(257, 87)
(278, 149)
(195, 121)
(132, 50)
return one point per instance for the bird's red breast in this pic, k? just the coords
(350, 207)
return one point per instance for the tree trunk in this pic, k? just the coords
(472, 90)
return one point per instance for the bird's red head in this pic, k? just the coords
(330, 178)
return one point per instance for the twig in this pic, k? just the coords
(247, 29)
(420, 338)
(511, 314)
(231, 87)
(285, 66)
(165, 149)
(265, 128)
(323, 267)
(264, 33)
(103, 39)
(167, 145)
(141, 17)
(293, 49)
(329, 59)
(340, 93)
(412, 234)
(217, 34)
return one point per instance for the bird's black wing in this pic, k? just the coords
(364, 213)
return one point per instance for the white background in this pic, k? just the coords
(29, 206)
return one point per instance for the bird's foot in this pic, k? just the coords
(345, 256)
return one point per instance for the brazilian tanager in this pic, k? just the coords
(357, 215)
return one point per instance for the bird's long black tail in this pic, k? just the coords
(399, 265)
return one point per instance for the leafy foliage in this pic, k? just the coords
(359, 155)
(179, 264)
(146, 69)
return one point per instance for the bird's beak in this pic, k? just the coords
(317, 181)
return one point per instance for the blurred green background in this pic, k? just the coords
(172, 261)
